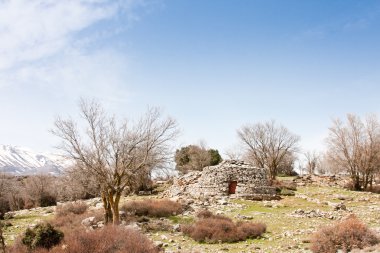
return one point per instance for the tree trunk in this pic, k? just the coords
(356, 183)
(366, 178)
(115, 208)
(272, 173)
(108, 217)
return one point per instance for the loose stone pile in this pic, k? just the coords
(316, 213)
(230, 178)
(329, 181)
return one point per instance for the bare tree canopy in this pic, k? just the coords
(268, 145)
(312, 161)
(114, 153)
(354, 147)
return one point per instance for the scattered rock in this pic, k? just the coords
(177, 228)
(122, 214)
(90, 221)
(340, 206)
(315, 213)
(343, 197)
(159, 244)
(133, 226)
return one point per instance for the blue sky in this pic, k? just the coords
(212, 65)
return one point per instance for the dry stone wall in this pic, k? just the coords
(231, 178)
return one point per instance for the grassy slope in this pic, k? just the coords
(285, 233)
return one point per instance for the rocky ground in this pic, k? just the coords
(290, 221)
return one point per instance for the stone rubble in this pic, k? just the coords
(317, 180)
(316, 213)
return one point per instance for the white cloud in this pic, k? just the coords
(34, 29)
(42, 43)
(51, 53)
(101, 74)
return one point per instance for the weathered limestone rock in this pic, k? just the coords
(229, 178)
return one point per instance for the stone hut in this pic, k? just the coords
(232, 178)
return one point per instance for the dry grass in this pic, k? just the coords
(216, 228)
(346, 235)
(153, 208)
(71, 208)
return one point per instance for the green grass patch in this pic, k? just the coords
(181, 219)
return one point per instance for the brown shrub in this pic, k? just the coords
(69, 223)
(252, 229)
(204, 214)
(71, 208)
(109, 239)
(153, 208)
(346, 235)
(217, 228)
(349, 185)
(375, 189)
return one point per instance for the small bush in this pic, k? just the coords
(71, 208)
(48, 200)
(345, 236)
(153, 208)
(252, 230)
(4, 207)
(374, 189)
(349, 185)
(109, 239)
(42, 236)
(204, 214)
(217, 228)
(69, 223)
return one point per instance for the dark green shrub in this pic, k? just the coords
(4, 207)
(43, 235)
(48, 200)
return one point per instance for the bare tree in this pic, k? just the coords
(113, 153)
(39, 190)
(267, 144)
(73, 185)
(287, 166)
(354, 147)
(312, 161)
(235, 152)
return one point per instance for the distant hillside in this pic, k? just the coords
(22, 161)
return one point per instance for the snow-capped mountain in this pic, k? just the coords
(23, 161)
